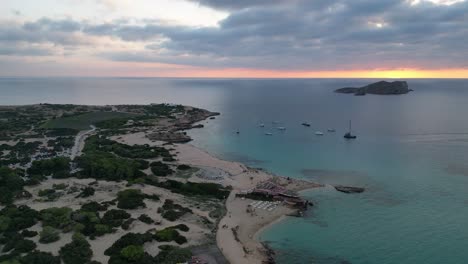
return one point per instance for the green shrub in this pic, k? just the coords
(24, 246)
(115, 217)
(101, 229)
(171, 254)
(194, 188)
(130, 199)
(132, 253)
(145, 219)
(126, 224)
(93, 207)
(46, 192)
(10, 184)
(183, 167)
(37, 257)
(107, 166)
(127, 240)
(182, 227)
(172, 211)
(28, 233)
(49, 235)
(86, 192)
(61, 186)
(57, 217)
(160, 169)
(169, 234)
(53, 166)
(13, 218)
(16, 243)
(76, 252)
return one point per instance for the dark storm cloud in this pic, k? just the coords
(295, 35)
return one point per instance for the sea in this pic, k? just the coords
(411, 155)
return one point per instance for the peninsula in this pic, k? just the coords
(114, 184)
(380, 88)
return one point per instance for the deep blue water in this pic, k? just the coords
(411, 154)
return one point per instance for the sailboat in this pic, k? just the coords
(348, 134)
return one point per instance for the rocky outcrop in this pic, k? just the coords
(269, 254)
(382, 88)
(349, 189)
(174, 133)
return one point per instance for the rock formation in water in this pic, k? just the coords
(348, 189)
(382, 88)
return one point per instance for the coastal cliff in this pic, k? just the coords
(381, 88)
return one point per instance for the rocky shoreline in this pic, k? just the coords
(174, 133)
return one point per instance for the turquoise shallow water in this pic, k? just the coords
(411, 154)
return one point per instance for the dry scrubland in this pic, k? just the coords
(124, 192)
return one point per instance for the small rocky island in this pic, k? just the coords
(381, 88)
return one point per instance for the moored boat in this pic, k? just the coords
(349, 134)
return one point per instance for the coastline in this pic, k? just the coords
(246, 248)
(242, 245)
(258, 199)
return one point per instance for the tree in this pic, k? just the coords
(76, 252)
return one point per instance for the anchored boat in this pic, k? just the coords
(348, 134)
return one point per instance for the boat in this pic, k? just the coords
(348, 134)
(306, 124)
(281, 128)
(262, 125)
(331, 130)
(319, 133)
(268, 134)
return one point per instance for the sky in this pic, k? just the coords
(235, 38)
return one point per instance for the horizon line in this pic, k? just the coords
(229, 77)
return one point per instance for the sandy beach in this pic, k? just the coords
(237, 232)
(237, 235)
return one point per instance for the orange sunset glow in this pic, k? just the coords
(255, 73)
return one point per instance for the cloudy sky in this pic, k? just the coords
(234, 38)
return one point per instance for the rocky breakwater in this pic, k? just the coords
(380, 88)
